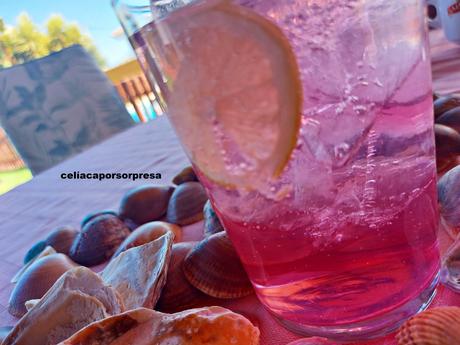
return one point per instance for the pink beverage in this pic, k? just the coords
(343, 243)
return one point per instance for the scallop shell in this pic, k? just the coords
(78, 298)
(449, 198)
(186, 175)
(92, 215)
(62, 238)
(439, 326)
(147, 233)
(47, 251)
(211, 326)
(447, 147)
(32, 253)
(186, 204)
(212, 224)
(450, 271)
(145, 204)
(37, 280)
(450, 119)
(98, 240)
(444, 104)
(178, 294)
(138, 274)
(214, 267)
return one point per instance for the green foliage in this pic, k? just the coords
(25, 41)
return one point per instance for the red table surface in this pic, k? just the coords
(31, 211)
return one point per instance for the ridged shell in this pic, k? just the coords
(92, 215)
(37, 280)
(212, 224)
(145, 204)
(450, 118)
(186, 204)
(444, 104)
(186, 175)
(98, 240)
(214, 267)
(449, 197)
(447, 147)
(147, 233)
(32, 253)
(439, 326)
(211, 326)
(47, 251)
(62, 238)
(178, 294)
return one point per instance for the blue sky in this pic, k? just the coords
(95, 17)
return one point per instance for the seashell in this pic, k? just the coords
(450, 270)
(438, 326)
(139, 273)
(178, 294)
(91, 216)
(186, 204)
(147, 233)
(211, 326)
(78, 298)
(447, 147)
(313, 341)
(214, 267)
(450, 119)
(444, 104)
(98, 240)
(36, 249)
(145, 204)
(186, 175)
(37, 280)
(47, 251)
(130, 224)
(212, 224)
(449, 198)
(4, 331)
(62, 238)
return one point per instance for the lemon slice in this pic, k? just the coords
(235, 93)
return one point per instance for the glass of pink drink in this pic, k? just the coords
(338, 234)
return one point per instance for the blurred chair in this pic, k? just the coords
(57, 106)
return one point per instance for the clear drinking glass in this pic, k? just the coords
(310, 124)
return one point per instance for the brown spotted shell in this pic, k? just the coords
(61, 239)
(186, 175)
(212, 224)
(37, 280)
(186, 204)
(145, 204)
(98, 240)
(438, 326)
(178, 294)
(214, 267)
(147, 233)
